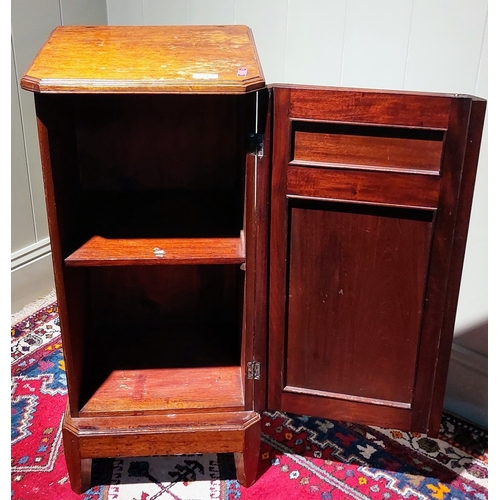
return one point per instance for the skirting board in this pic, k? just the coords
(31, 274)
(467, 386)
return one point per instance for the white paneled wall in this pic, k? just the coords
(376, 43)
(23, 224)
(268, 20)
(32, 22)
(446, 40)
(306, 60)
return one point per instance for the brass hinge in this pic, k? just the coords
(253, 370)
(256, 145)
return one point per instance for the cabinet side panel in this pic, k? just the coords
(476, 122)
(356, 285)
(278, 243)
(459, 170)
(262, 186)
(60, 174)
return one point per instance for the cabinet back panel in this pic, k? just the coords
(162, 214)
(155, 295)
(148, 317)
(356, 285)
(357, 145)
(154, 142)
(176, 345)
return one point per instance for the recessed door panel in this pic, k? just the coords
(356, 285)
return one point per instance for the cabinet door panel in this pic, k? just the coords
(336, 144)
(371, 195)
(387, 188)
(355, 298)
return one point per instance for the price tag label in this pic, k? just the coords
(205, 76)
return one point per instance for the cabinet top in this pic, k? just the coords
(146, 59)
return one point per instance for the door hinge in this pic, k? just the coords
(253, 370)
(256, 145)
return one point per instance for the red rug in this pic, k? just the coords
(301, 457)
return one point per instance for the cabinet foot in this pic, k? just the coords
(79, 470)
(247, 461)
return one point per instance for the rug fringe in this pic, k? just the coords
(33, 307)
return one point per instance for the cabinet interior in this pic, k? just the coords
(156, 245)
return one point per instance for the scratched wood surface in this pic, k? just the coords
(143, 59)
(168, 389)
(99, 251)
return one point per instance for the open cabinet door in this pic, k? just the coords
(370, 202)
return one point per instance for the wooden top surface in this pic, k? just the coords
(146, 59)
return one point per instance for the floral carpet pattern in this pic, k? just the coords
(301, 457)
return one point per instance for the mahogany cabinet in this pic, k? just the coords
(222, 247)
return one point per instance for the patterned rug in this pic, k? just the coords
(301, 457)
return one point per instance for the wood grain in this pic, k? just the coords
(278, 253)
(368, 197)
(158, 435)
(140, 141)
(384, 188)
(365, 106)
(350, 411)
(464, 204)
(247, 461)
(167, 390)
(144, 59)
(139, 296)
(107, 437)
(446, 260)
(262, 216)
(416, 254)
(100, 251)
(56, 136)
(385, 148)
(357, 279)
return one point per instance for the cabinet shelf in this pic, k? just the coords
(168, 389)
(138, 366)
(99, 251)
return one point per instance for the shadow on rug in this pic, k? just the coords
(301, 457)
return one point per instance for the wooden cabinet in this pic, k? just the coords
(221, 247)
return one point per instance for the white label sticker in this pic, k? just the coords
(205, 76)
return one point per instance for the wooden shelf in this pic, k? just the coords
(99, 251)
(169, 389)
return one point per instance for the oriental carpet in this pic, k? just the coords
(301, 457)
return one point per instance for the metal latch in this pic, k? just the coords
(256, 146)
(253, 370)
